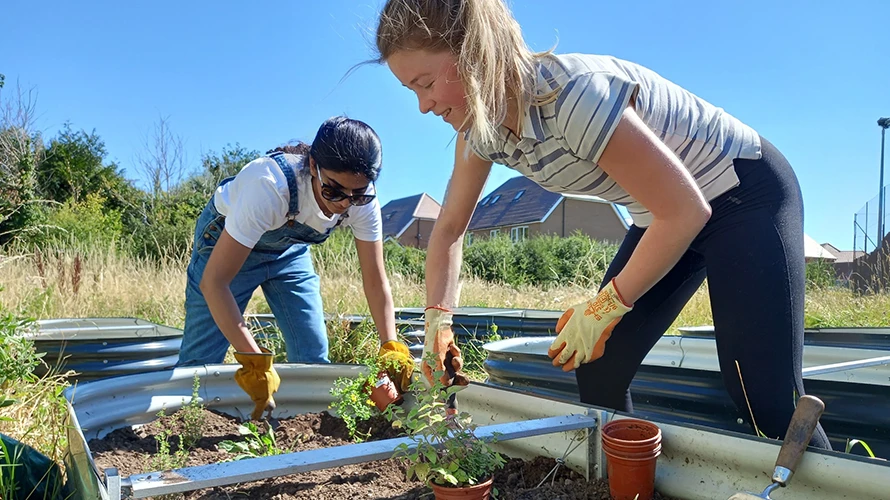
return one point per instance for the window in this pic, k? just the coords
(495, 199)
(518, 233)
(519, 195)
(469, 239)
(494, 232)
(484, 201)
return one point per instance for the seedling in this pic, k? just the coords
(255, 444)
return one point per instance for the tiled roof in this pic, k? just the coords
(398, 214)
(517, 201)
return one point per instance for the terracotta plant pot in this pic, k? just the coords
(481, 491)
(632, 448)
(385, 392)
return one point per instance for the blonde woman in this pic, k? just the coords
(708, 196)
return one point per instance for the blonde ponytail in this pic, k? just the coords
(493, 60)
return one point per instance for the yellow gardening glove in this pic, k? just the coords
(398, 361)
(258, 378)
(439, 339)
(583, 329)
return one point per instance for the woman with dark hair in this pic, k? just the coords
(256, 231)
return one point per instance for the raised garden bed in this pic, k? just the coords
(134, 451)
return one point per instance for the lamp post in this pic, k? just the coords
(884, 123)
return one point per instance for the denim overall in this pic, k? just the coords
(281, 264)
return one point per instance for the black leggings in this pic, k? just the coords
(752, 253)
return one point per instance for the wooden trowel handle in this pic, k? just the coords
(800, 431)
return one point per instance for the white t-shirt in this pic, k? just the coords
(257, 199)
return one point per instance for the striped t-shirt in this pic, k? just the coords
(562, 140)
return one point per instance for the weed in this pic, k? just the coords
(352, 397)
(192, 416)
(165, 458)
(255, 444)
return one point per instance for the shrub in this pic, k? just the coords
(544, 260)
(405, 261)
(820, 275)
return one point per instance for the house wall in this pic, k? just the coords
(533, 228)
(418, 233)
(597, 220)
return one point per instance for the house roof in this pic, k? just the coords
(519, 201)
(502, 207)
(843, 256)
(813, 250)
(399, 214)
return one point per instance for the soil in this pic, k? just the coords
(131, 450)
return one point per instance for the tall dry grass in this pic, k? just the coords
(62, 283)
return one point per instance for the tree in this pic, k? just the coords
(74, 168)
(162, 161)
(21, 151)
(217, 167)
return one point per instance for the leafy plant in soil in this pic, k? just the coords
(165, 458)
(192, 417)
(352, 397)
(446, 449)
(255, 444)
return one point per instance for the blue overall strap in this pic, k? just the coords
(294, 205)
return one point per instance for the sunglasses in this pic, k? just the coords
(333, 194)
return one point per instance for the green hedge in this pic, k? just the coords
(541, 260)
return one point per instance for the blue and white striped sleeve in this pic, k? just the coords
(589, 108)
(474, 148)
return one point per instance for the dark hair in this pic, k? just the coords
(300, 148)
(343, 145)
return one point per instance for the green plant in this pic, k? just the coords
(820, 275)
(192, 416)
(853, 442)
(445, 449)
(18, 357)
(165, 458)
(474, 354)
(352, 397)
(10, 464)
(255, 444)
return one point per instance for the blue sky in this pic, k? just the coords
(812, 77)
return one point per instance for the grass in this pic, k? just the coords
(103, 282)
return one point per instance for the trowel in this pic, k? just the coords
(456, 379)
(800, 431)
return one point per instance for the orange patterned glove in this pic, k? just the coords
(439, 339)
(583, 329)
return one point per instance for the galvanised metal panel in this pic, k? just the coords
(697, 463)
(105, 347)
(696, 395)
